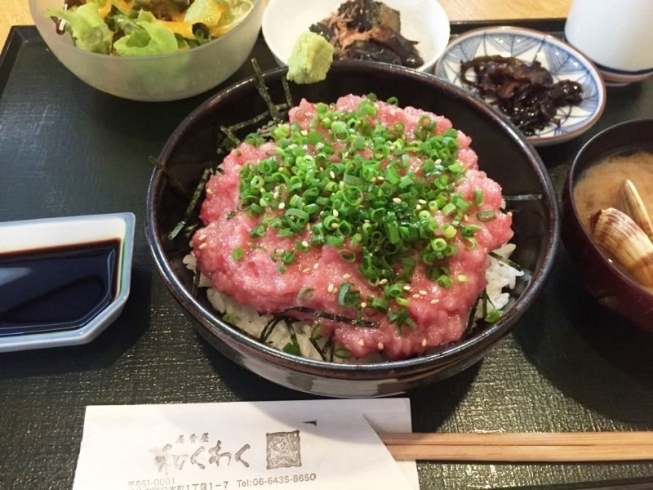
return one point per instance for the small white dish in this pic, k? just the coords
(425, 22)
(27, 247)
(562, 61)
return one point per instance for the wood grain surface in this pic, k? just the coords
(16, 12)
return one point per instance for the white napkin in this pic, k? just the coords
(307, 445)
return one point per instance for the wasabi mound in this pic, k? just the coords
(310, 60)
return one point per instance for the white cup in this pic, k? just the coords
(617, 35)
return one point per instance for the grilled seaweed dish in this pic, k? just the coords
(368, 30)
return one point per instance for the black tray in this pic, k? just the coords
(67, 149)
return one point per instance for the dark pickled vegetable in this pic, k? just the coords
(368, 30)
(525, 92)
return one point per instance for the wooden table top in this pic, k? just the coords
(16, 12)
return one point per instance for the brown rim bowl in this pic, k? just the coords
(612, 288)
(503, 152)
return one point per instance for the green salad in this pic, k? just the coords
(147, 27)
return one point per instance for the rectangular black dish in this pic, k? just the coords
(67, 149)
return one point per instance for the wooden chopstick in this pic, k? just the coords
(522, 447)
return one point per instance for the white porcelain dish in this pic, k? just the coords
(31, 236)
(425, 22)
(563, 61)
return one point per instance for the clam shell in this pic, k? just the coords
(633, 205)
(619, 235)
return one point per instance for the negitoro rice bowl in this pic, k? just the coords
(368, 223)
(360, 234)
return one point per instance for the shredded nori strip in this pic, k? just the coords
(269, 327)
(263, 90)
(357, 322)
(523, 197)
(199, 191)
(506, 261)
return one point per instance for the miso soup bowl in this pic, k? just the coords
(605, 282)
(503, 153)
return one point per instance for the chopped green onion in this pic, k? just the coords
(305, 293)
(493, 316)
(485, 216)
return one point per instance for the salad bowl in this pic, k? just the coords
(503, 152)
(156, 77)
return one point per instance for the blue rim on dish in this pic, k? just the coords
(47, 233)
(563, 61)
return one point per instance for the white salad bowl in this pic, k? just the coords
(163, 77)
(562, 61)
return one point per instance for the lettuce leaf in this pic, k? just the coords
(87, 27)
(208, 12)
(146, 37)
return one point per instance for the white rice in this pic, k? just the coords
(500, 276)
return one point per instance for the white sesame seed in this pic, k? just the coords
(282, 205)
(335, 226)
(383, 282)
(361, 342)
(201, 237)
(438, 161)
(421, 201)
(305, 245)
(435, 301)
(335, 212)
(422, 292)
(380, 177)
(316, 266)
(346, 276)
(418, 207)
(262, 190)
(203, 246)
(416, 296)
(332, 174)
(380, 346)
(423, 342)
(330, 288)
(363, 304)
(396, 200)
(209, 192)
(406, 287)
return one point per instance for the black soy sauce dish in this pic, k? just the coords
(63, 280)
(503, 153)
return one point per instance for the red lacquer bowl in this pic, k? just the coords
(605, 282)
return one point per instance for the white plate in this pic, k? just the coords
(425, 22)
(563, 61)
(22, 236)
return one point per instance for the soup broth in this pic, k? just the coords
(599, 187)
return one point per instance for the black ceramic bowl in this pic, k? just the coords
(503, 152)
(605, 282)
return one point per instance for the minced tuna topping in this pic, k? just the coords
(371, 220)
